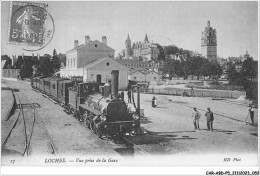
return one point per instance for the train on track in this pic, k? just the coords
(96, 104)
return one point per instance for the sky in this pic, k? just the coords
(166, 23)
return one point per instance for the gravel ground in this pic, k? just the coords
(69, 136)
(170, 131)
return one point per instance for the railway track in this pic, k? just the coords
(236, 103)
(27, 114)
(221, 115)
(12, 127)
(126, 148)
(126, 143)
(138, 149)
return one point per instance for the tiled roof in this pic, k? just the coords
(80, 46)
(133, 71)
(94, 62)
(129, 61)
(145, 71)
(91, 43)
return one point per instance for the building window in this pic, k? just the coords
(134, 77)
(107, 63)
(154, 78)
(107, 78)
(74, 62)
(96, 45)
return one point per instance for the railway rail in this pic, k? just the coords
(236, 103)
(221, 115)
(125, 141)
(28, 120)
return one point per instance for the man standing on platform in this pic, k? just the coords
(196, 116)
(129, 96)
(210, 119)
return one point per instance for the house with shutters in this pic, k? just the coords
(82, 55)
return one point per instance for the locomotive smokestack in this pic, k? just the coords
(114, 83)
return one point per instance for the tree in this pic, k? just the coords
(45, 67)
(249, 68)
(216, 70)
(27, 68)
(197, 63)
(62, 58)
(161, 55)
(171, 49)
(232, 74)
(55, 61)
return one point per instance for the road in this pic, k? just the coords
(169, 127)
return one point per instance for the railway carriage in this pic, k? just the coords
(54, 87)
(41, 84)
(63, 92)
(37, 81)
(46, 89)
(95, 104)
(79, 92)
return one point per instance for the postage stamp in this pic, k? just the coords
(28, 24)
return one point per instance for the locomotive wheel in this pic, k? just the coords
(92, 127)
(99, 133)
(88, 124)
(69, 110)
(120, 135)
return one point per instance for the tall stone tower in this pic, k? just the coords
(127, 47)
(209, 43)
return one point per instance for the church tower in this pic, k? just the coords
(146, 39)
(128, 47)
(209, 43)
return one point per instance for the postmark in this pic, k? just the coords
(30, 25)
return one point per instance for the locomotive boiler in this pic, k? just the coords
(95, 104)
(105, 113)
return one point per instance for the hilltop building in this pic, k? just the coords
(147, 50)
(209, 43)
(128, 49)
(241, 58)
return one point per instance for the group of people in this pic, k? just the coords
(209, 118)
(122, 96)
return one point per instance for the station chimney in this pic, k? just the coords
(104, 40)
(87, 39)
(76, 43)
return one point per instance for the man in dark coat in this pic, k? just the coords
(129, 96)
(210, 119)
(251, 113)
(122, 96)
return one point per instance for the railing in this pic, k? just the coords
(200, 85)
(194, 92)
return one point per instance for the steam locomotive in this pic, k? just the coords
(95, 104)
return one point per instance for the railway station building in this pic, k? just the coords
(94, 61)
(144, 76)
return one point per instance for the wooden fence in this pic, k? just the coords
(195, 92)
